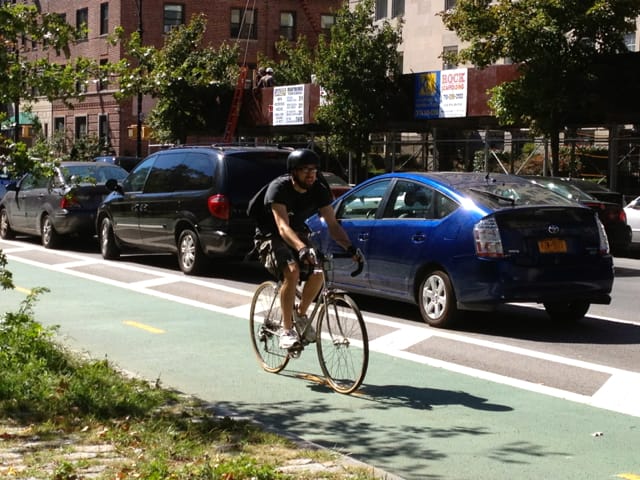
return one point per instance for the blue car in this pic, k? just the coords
(450, 241)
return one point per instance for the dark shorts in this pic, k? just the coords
(276, 254)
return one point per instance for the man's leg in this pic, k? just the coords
(310, 291)
(291, 274)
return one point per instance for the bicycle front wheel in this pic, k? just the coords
(342, 343)
(265, 322)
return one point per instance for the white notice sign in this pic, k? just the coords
(288, 105)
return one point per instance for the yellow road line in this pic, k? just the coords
(26, 291)
(629, 476)
(142, 326)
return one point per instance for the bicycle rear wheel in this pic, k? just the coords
(265, 321)
(342, 343)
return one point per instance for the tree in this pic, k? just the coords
(297, 64)
(192, 83)
(24, 78)
(357, 65)
(553, 42)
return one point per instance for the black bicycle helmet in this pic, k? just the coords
(300, 157)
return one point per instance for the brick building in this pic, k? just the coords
(256, 26)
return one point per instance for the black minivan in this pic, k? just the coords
(191, 201)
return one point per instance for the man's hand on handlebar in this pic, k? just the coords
(308, 255)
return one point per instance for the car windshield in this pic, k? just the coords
(92, 173)
(504, 194)
(566, 190)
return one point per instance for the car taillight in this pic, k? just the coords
(622, 216)
(603, 248)
(219, 206)
(69, 201)
(487, 238)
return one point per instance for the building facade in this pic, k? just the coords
(425, 38)
(254, 26)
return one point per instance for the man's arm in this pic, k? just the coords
(281, 217)
(335, 229)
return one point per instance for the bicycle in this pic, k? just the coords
(342, 343)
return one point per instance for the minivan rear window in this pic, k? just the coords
(247, 172)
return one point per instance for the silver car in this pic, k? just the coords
(55, 206)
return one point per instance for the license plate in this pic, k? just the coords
(552, 245)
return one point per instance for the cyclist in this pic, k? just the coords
(290, 200)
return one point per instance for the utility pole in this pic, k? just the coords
(139, 113)
(16, 103)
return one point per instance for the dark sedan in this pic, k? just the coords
(611, 214)
(63, 204)
(465, 241)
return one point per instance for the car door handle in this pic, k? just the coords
(418, 237)
(363, 237)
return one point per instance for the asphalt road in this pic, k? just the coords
(504, 395)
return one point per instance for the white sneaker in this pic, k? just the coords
(288, 338)
(304, 327)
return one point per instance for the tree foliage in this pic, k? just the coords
(553, 41)
(357, 66)
(26, 79)
(297, 64)
(192, 82)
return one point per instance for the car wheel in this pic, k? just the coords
(6, 231)
(190, 256)
(567, 312)
(437, 300)
(108, 247)
(50, 238)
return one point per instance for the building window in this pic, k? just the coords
(58, 124)
(81, 127)
(81, 87)
(397, 8)
(103, 80)
(104, 18)
(173, 16)
(82, 22)
(327, 22)
(447, 63)
(449, 4)
(288, 25)
(381, 9)
(243, 23)
(103, 130)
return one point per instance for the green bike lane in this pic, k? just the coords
(411, 420)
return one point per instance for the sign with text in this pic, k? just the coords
(441, 94)
(288, 105)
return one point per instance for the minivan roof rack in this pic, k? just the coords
(232, 145)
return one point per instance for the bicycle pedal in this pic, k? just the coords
(295, 353)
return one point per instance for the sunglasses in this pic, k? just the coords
(307, 170)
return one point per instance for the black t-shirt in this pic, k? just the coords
(299, 205)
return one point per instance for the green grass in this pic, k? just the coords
(58, 403)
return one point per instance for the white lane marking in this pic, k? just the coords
(621, 393)
(76, 264)
(400, 339)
